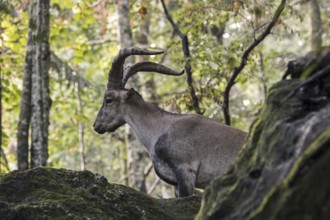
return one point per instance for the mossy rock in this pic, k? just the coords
(283, 170)
(45, 193)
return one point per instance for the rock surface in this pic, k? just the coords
(45, 193)
(283, 171)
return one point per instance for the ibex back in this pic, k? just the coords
(187, 151)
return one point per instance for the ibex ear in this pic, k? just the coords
(129, 93)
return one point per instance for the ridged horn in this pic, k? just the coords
(147, 66)
(115, 75)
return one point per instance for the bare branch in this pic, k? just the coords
(99, 42)
(148, 169)
(186, 52)
(121, 179)
(71, 75)
(244, 59)
(153, 186)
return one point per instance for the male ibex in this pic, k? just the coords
(187, 151)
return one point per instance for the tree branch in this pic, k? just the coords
(244, 59)
(99, 41)
(70, 74)
(148, 169)
(316, 24)
(153, 186)
(186, 52)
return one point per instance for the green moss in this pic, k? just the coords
(299, 193)
(279, 150)
(45, 193)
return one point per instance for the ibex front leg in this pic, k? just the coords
(185, 182)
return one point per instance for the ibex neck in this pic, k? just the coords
(147, 121)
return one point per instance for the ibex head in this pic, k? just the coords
(111, 114)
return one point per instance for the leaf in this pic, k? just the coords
(232, 62)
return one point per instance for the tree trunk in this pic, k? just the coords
(25, 106)
(40, 101)
(135, 151)
(133, 146)
(316, 23)
(263, 85)
(138, 155)
(124, 31)
(2, 154)
(81, 128)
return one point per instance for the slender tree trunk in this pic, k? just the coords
(138, 154)
(124, 31)
(125, 39)
(81, 129)
(40, 84)
(0, 118)
(3, 159)
(1, 151)
(316, 35)
(134, 149)
(25, 106)
(263, 75)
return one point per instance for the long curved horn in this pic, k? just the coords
(115, 74)
(147, 66)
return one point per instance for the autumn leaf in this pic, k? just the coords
(143, 10)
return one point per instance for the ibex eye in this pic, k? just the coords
(108, 101)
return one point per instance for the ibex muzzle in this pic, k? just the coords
(187, 151)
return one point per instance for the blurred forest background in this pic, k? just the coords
(84, 36)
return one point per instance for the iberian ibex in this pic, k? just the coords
(187, 151)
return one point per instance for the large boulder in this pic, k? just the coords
(283, 171)
(45, 193)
